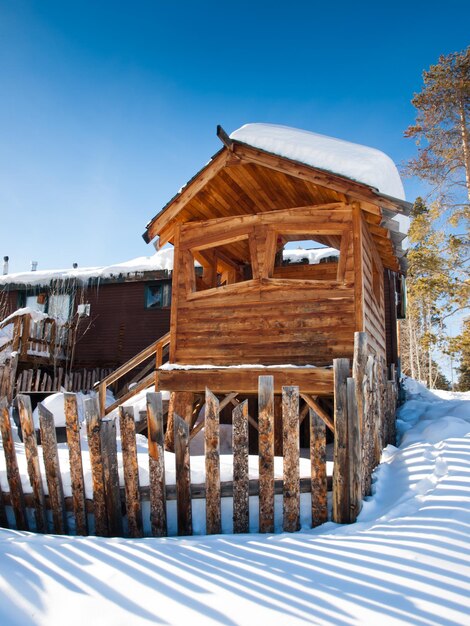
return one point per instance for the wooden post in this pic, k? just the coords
(241, 478)
(158, 520)
(368, 444)
(13, 474)
(181, 402)
(278, 429)
(94, 446)
(361, 341)
(52, 467)
(354, 452)
(11, 384)
(183, 476)
(341, 465)
(318, 469)
(25, 335)
(34, 472)
(266, 453)
(112, 493)
(76, 466)
(291, 448)
(212, 451)
(102, 399)
(131, 471)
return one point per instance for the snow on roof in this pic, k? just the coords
(360, 163)
(160, 261)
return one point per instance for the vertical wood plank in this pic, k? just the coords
(241, 478)
(112, 494)
(158, 518)
(278, 430)
(291, 453)
(131, 471)
(212, 449)
(341, 463)
(181, 402)
(354, 452)
(318, 468)
(94, 446)
(102, 398)
(52, 467)
(13, 474)
(32, 458)
(183, 476)
(361, 343)
(358, 267)
(266, 453)
(176, 287)
(72, 427)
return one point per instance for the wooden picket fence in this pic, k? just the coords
(40, 379)
(364, 415)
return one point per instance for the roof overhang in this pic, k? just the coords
(238, 153)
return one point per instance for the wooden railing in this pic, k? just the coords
(157, 348)
(30, 338)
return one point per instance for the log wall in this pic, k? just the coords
(271, 319)
(373, 294)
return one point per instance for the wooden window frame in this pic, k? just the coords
(292, 229)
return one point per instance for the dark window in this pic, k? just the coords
(157, 296)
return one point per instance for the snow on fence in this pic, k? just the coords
(120, 505)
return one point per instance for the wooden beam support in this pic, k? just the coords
(312, 381)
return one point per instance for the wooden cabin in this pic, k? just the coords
(267, 188)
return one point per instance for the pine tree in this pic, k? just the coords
(460, 346)
(442, 133)
(435, 292)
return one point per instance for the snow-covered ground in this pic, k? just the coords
(406, 560)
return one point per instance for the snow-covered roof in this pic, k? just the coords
(360, 163)
(160, 261)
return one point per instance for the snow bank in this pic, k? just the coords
(360, 163)
(161, 260)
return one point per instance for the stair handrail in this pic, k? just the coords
(156, 348)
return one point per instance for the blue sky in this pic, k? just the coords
(107, 108)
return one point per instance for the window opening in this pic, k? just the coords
(306, 256)
(158, 296)
(221, 265)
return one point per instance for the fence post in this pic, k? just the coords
(131, 471)
(354, 452)
(318, 468)
(241, 480)
(112, 493)
(183, 475)
(156, 445)
(211, 451)
(291, 453)
(341, 510)
(76, 466)
(31, 450)
(13, 474)
(266, 453)
(52, 467)
(94, 445)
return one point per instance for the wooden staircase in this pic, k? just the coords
(143, 379)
